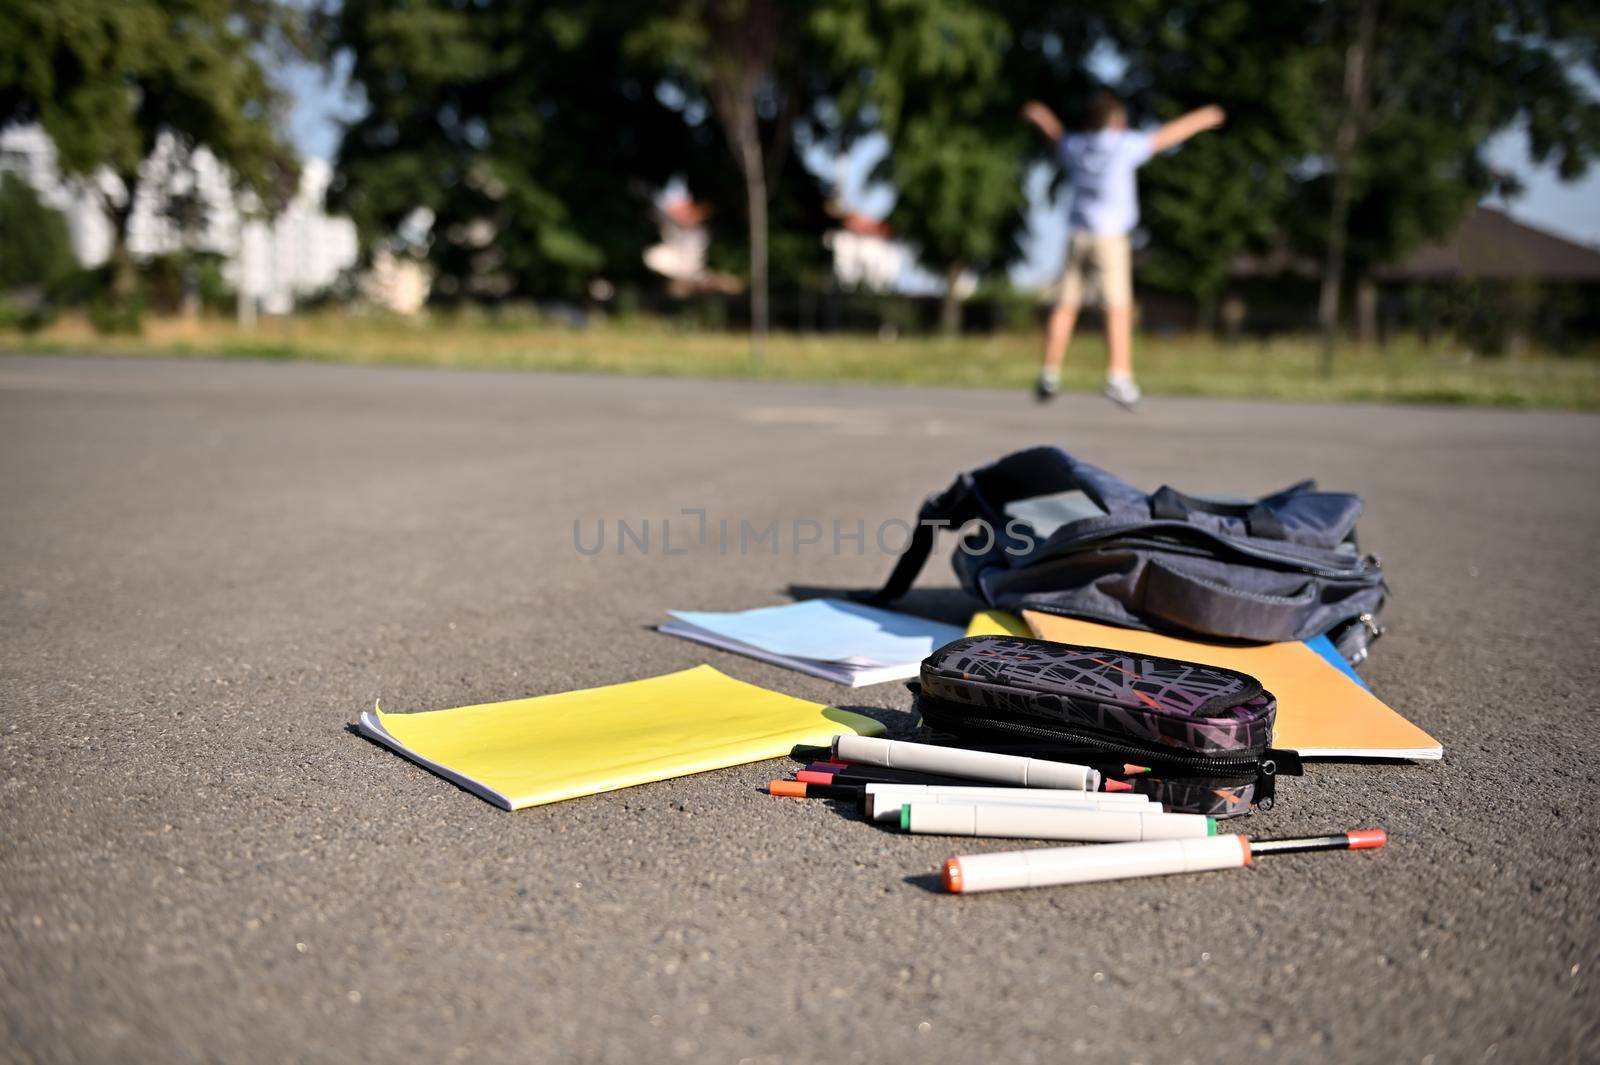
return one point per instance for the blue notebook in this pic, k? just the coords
(849, 643)
(1324, 647)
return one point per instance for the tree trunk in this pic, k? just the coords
(244, 290)
(1233, 312)
(743, 39)
(753, 165)
(1366, 311)
(1329, 298)
(124, 276)
(950, 303)
(1351, 119)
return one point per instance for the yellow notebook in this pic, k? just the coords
(997, 623)
(528, 752)
(1321, 712)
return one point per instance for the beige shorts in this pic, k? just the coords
(1099, 269)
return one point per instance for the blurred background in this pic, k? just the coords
(1402, 204)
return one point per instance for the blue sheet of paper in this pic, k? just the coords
(829, 630)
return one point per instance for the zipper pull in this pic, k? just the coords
(1282, 761)
(1266, 788)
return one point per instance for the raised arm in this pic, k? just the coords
(1179, 130)
(1043, 118)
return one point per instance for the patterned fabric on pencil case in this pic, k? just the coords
(1203, 733)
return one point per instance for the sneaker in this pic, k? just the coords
(1044, 389)
(1123, 392)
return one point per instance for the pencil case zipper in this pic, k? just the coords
(1263, 767)
(1129, 750)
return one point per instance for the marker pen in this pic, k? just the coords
(799, 789)
(883, 801)
(1046, 822)
(886, 806)
(872, 774)
(833, 766)
(976, 765)
(1117, 861)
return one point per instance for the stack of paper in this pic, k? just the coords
(845, 642)
(528, 752)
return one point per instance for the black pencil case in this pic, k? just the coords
(1196, 738)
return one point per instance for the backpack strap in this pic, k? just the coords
(984, 492)
(950, 509)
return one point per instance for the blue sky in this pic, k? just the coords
(1571, 210)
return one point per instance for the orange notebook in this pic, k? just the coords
(1321, 712)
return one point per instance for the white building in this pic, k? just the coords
(864, 254)
(681, 255)
(272, 262)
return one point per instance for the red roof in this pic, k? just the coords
(685, 212)
(1493, 246)
(1490, 245)
(867, 227)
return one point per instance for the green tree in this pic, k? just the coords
(797, 217)
(35, 248)
(1357, 128)
(1411, 91)
(747, 62)
(520, 124)
(937, 79)
(109, 79)
(1231, 192)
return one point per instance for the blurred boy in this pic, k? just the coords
(1100, 167)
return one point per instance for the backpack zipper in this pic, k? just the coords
(1226, 543)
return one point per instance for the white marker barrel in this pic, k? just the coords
(974, 765)
(884, 800)
(1046, 822)
(1080, 865)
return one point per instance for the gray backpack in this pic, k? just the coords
(1046, 531)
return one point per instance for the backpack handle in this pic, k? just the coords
(1169, 504)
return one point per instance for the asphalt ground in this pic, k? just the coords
(208, 569)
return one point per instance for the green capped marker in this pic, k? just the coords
(1051, 822)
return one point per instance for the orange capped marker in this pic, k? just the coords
(1118, 861)
(799, 789)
